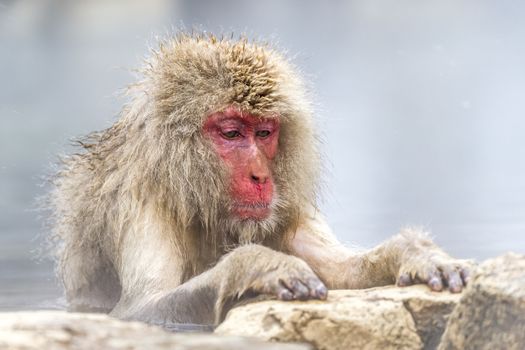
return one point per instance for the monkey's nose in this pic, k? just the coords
(259, 179)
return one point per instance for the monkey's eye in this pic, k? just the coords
(231, 134)
(263, 133)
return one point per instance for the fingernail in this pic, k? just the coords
(435, 284)
(454, 287)
(285, 295)
(321, 292)
(404, 280)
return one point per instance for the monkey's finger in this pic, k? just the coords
(300, 291)
(465, 275)
(317, 288)
(453, 280)
(404, 280)
(283, 293)
(321, 292)
(435, 283)
(432, 277)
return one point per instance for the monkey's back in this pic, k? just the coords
(83, 207)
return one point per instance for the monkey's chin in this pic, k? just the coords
(252, 211)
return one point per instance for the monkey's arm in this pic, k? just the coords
(150, 292)
(407, 258)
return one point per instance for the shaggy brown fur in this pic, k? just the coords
(141, 212)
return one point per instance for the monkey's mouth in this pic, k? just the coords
(252, 210)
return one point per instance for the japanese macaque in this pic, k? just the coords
(204, 193)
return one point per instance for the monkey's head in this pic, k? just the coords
(231, 123)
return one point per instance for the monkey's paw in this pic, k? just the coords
(292, 280)
(437, 270)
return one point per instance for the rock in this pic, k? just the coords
(377, 318)
(491, 312)
(62, 330)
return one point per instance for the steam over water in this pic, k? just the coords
(421, 106)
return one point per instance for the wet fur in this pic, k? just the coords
(154, 163)
(141, 212)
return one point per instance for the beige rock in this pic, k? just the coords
(61, 330)
(491, 312)
(378, 318)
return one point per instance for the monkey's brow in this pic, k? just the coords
(230, 119)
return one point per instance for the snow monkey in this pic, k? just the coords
(204, 193)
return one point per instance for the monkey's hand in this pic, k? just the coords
(421, 261)
(293, 280)
(245, 272)
(273, 273)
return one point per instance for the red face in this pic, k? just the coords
(247, 144)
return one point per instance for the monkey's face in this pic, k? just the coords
(247, 145)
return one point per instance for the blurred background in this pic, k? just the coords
(421, 104)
